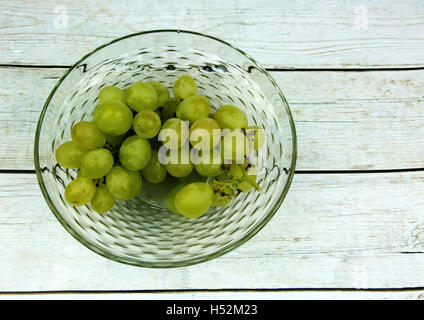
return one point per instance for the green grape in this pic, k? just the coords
(135, 153)
(194, 199)
(255, 136)
(154, 172)
(184, 87)
(179, 170)
(209, 164)
(244, 186)
(80, 191)
(69, 155)
(222, 196)
(234, 147)
(96, 163)
(193, 108)
(248, 180)
(174, 133)
(88, 135)
(146, 124)
(216, 184)
(231, 117)
(235, 172)
(170, 198)
(123, 184)
(205, 134)
(141, 96)
(102, 201)
(111, 93)
(113, 118)
(161, 91)
(114, 141)
(96, 110)
(170, 109)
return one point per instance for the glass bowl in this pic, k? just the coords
(142, 231)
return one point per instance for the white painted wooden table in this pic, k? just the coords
(353, 73)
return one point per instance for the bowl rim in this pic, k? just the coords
(177, 263)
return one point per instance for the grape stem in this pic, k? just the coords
(223, 183)
(245, 177)
(251, 181)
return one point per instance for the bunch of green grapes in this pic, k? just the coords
(220, 145)
(95, 149)
(142, 132)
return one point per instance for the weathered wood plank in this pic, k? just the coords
(232, 295)
(333, 231)
(344, 120)
(282, 34)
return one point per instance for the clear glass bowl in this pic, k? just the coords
(142, 231)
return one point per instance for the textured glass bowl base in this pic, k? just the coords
(142, 231)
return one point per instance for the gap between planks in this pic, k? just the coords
(411, 289)
(282, 69)
(356, 171)
(6, 171)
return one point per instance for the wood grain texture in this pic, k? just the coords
(344, 120)
(333, 231)
(361, 230)
(279, 34)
